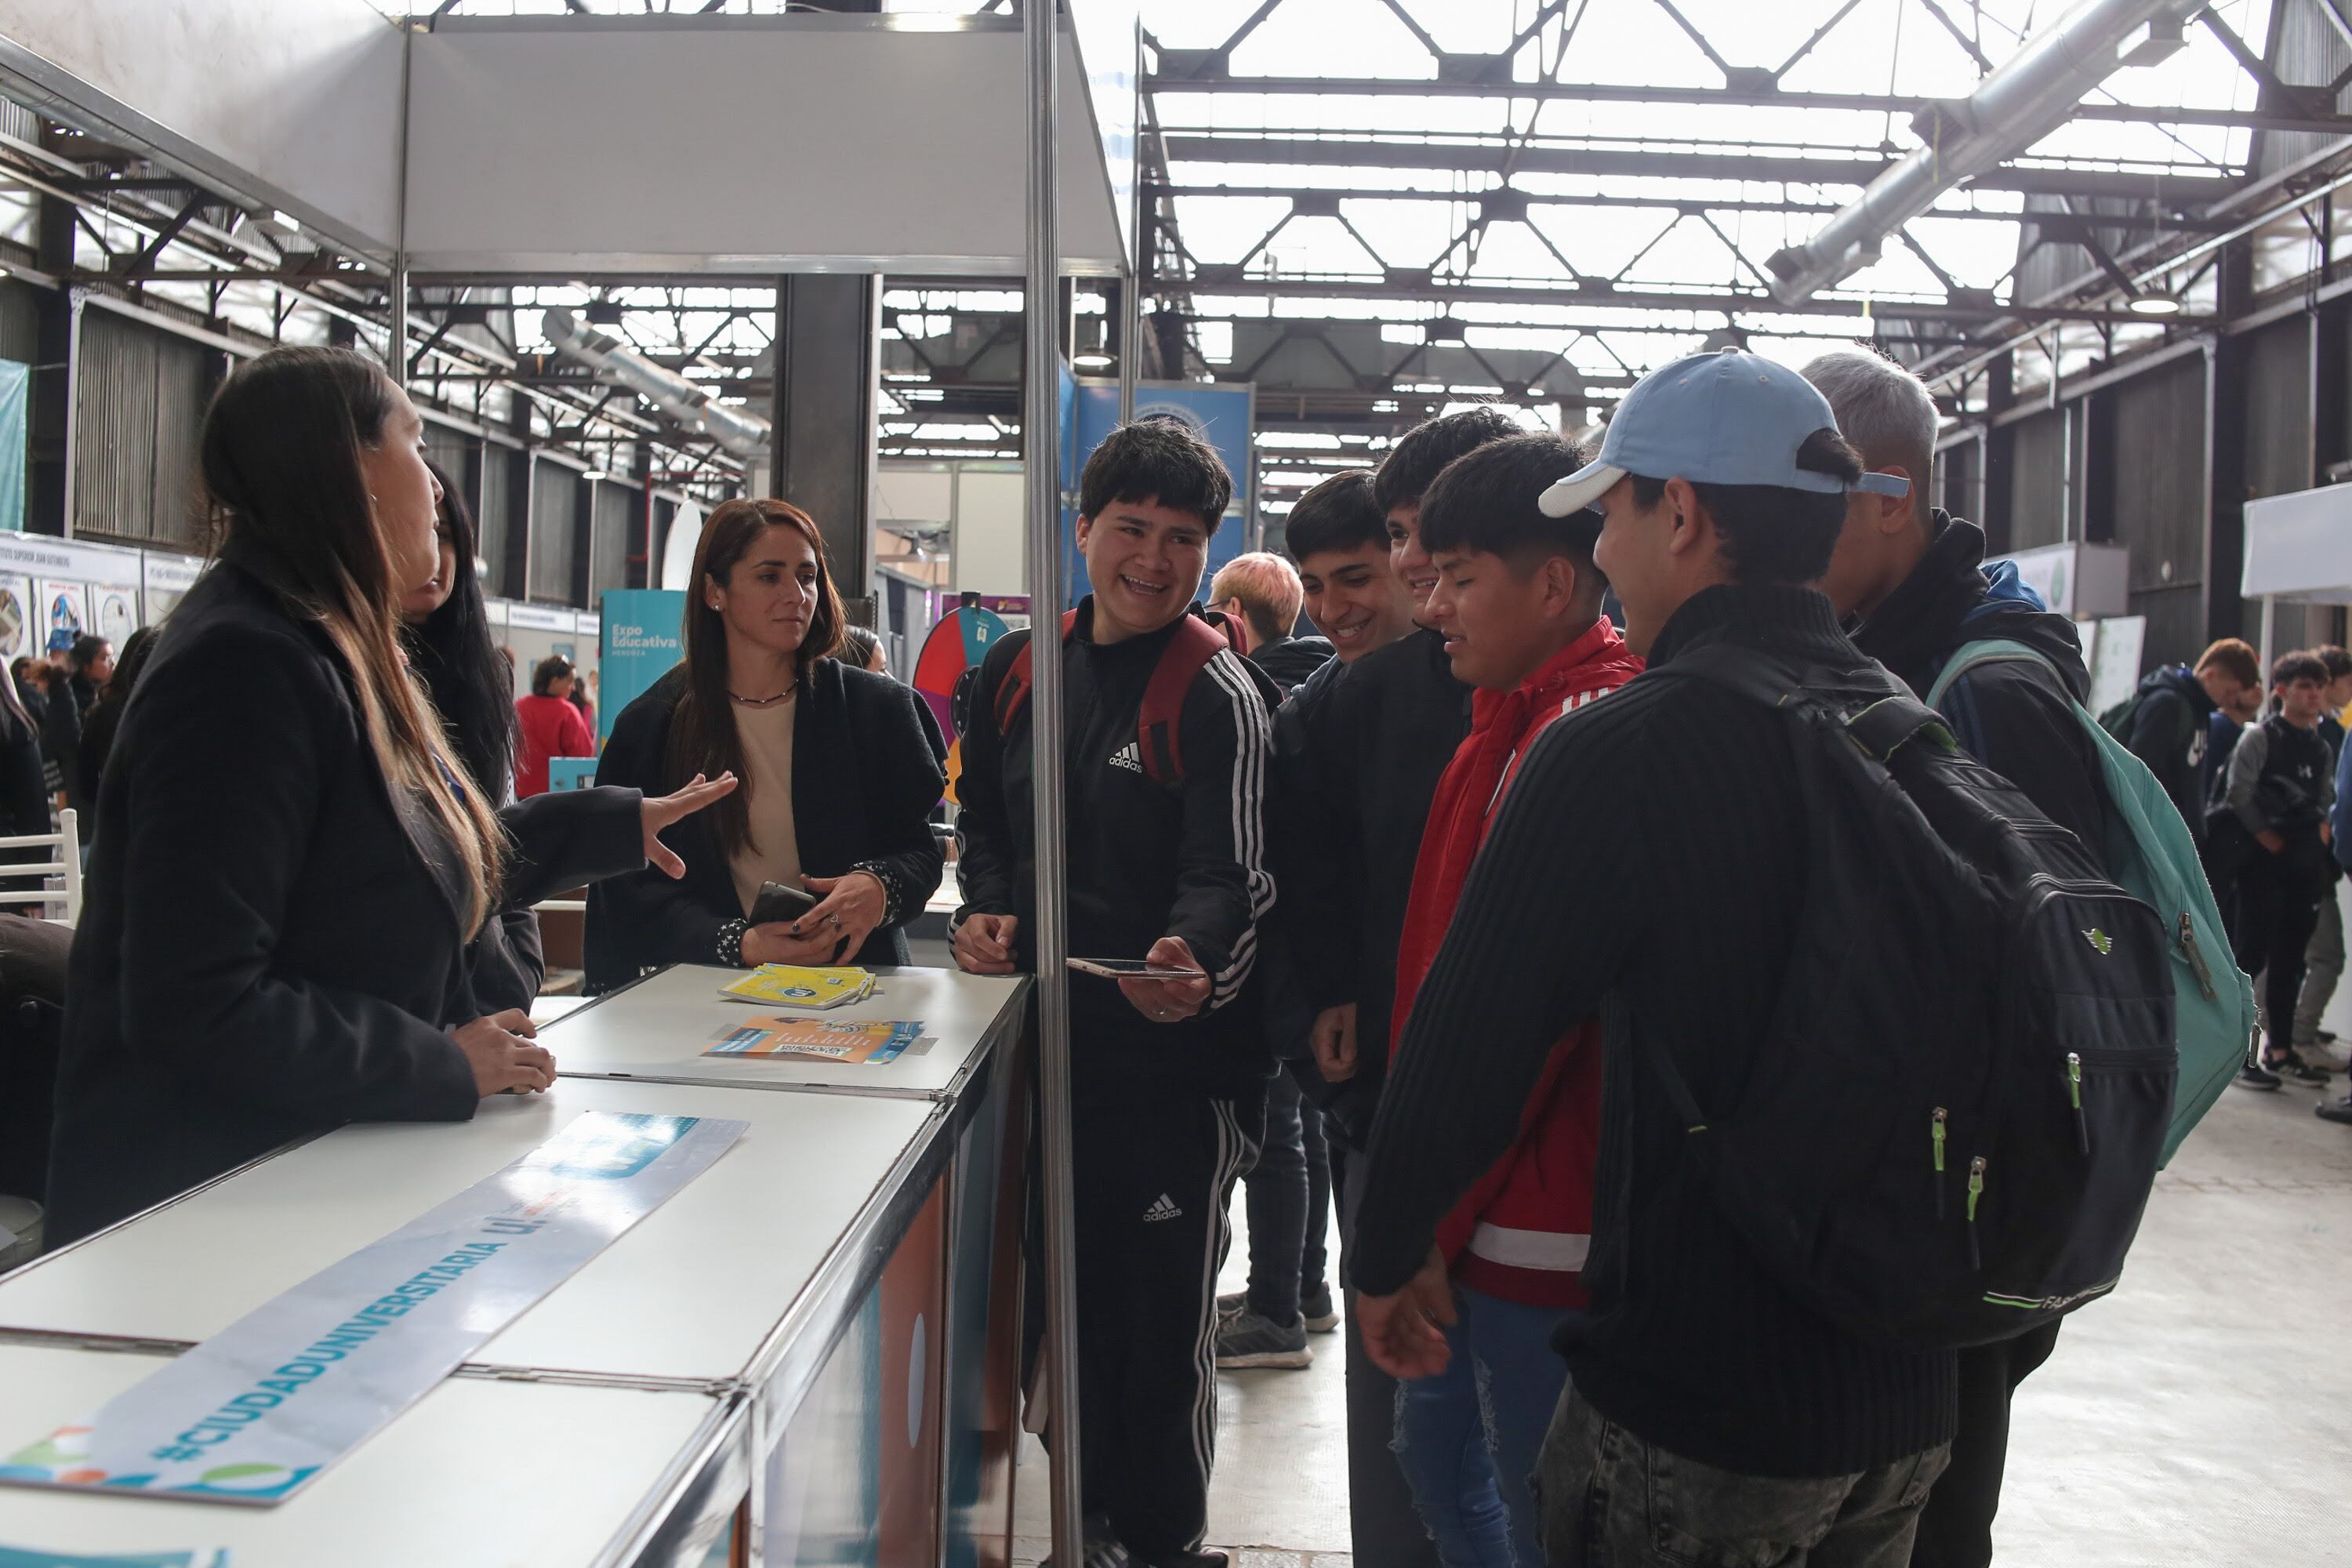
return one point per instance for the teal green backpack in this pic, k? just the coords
(2150, 853)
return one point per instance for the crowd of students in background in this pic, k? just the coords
(2261, 782)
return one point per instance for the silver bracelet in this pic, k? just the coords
(731, 942)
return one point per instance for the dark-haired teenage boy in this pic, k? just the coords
(1711, 1414)
(1914, 587)
(1167, 1077)
(2281, 786)
(1517, 601)
(2323, 966)
(1361, 749)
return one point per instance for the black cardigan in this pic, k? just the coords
(269, 946)
(868, 764)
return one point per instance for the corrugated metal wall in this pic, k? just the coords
(493, 517)
(2309, 49)
(140, 395)
(615, 517)
(20, 322)
(2037, 481)
(2279, 443)
(2160, 503)
(554, 531)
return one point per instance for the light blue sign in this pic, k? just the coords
(641, 643)
(1222, 416)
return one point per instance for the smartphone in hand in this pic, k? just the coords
(778, 904)
(1133, 969)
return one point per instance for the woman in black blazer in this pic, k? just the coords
(839, 770)
(291, 864)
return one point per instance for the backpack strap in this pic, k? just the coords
(1970, 656)
(1877, 711)
(1013, 692)
(1158, 722)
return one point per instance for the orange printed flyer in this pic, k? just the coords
(874, 1042)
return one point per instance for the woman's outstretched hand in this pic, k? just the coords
(660, 810)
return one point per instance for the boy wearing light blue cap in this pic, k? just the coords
(1711, 1414)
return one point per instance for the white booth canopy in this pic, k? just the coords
(576, 144)
(2299, 547)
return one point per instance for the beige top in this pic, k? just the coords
(773, 853)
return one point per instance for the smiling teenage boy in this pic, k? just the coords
(1166, 862)
(1517, 600)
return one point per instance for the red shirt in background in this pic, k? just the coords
(551, 727)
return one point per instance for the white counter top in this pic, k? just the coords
(690, 1293)
(521, 1475)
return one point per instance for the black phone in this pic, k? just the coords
(778, 903)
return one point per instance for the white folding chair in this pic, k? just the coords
(60, 874)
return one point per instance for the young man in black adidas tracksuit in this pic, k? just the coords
(1166, 862)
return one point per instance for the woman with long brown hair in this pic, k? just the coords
(840, 768)
(290, 863)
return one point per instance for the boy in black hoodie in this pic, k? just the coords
(1167, 864)
(2171, 721)
(2280, 790)
(1913, 587)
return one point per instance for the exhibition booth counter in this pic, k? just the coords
(810, 1346)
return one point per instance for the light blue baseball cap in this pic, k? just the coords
(1726, 418)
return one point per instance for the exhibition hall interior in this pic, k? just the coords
(1678, 895)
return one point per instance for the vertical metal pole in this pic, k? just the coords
(396, 343)
(1130, 292)
(1042, 468)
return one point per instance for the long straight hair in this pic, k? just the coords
(702, 738)
(458, 658)
(286, 495)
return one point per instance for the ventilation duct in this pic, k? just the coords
(2029, 95)
(745, 435)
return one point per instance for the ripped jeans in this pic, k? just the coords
(1468, 1439)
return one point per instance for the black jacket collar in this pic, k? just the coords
(1794, 620)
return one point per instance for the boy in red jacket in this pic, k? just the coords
(1518, 601)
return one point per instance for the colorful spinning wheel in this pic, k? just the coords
(951, 654)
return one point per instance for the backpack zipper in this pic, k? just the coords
(1976, 1191)
(2196, 957)
(2074, 1089)
(1938, 1134)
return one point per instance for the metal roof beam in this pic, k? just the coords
(1733, 96)
(1365, 150)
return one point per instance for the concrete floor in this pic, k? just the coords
(2202, 1414)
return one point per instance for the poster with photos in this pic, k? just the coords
(64, 614)
(115, 612)
(20, 633)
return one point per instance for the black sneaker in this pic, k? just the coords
(1247, 1338)
(1321, 1312)
(1204, 1558)
(2252, 1077)
(2293, 1068)
(2334, 1111)
(1229, 1305)
(2315, 1055)
(1102, 1549)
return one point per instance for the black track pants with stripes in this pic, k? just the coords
(1154, 1176)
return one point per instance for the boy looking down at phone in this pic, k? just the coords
(1165, 862)
(1517, 600)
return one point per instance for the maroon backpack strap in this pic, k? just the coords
(1157, 723)
(1012, 692)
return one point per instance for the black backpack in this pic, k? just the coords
(1952, 1126)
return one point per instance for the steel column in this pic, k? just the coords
(1041, 465)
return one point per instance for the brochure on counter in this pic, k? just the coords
(872, 1043)
(803, 989)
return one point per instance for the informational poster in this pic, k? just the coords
(642, 640)
(113, 612)
(1222, 416)
(20, 619)
(16, 411)
(64, 613)
(252, 1413)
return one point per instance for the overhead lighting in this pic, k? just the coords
(286, 220)
(2154, 302)
(1093, 362)
(593, 475)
